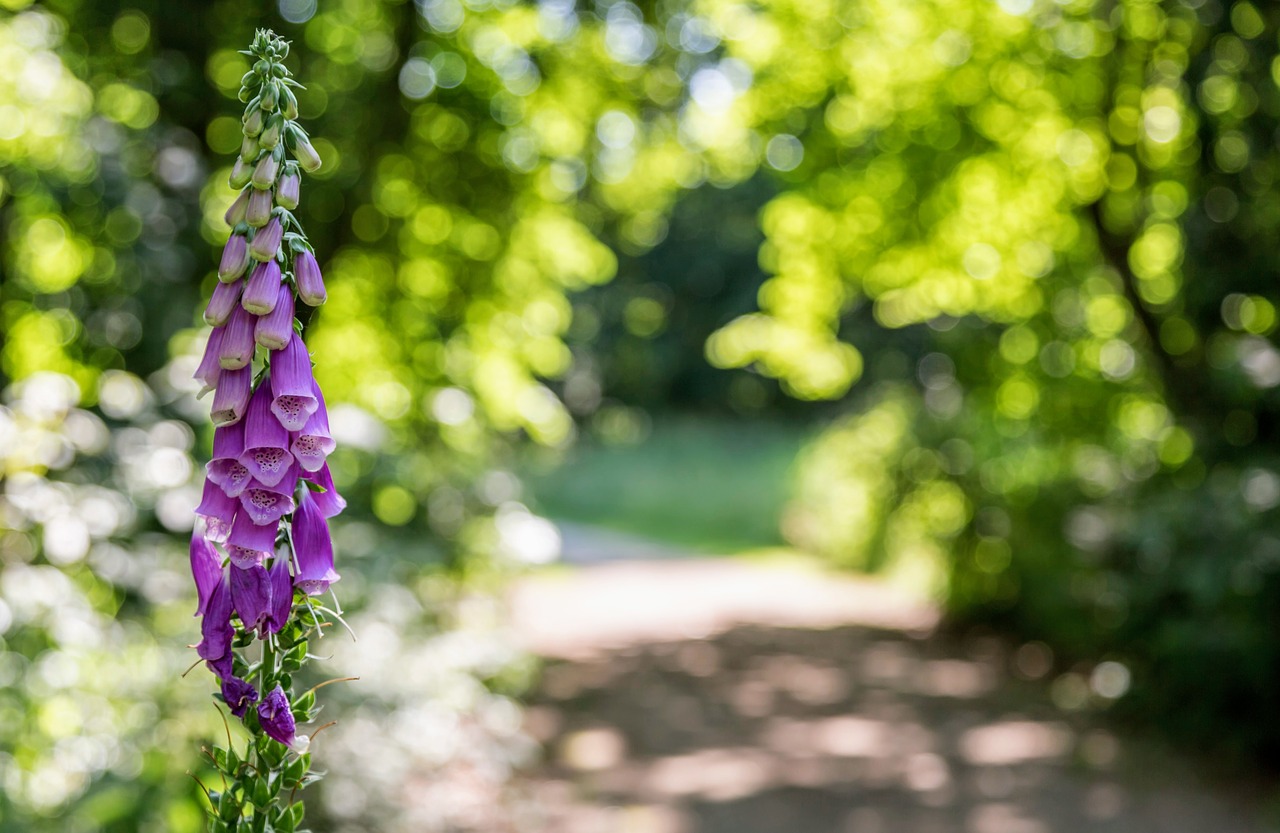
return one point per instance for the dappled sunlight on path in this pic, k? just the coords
(728, 696)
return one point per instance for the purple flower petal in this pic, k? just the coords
(208, 372)
(281, 593)
(270, 503)
(274, 330)
(216, 625)
(306, 271)
(313, 546)
(313, 444)
(276, 717)
(263, 289)
(251, 595)
(238, 695)
(251, 536)
(218, 511)
(235, 259)
(206, 569)
(237, 341)
(329, 501)
(222, 302)
(231, 396)
(292, 385)
(266, 442)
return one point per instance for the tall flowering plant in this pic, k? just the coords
(261, 551)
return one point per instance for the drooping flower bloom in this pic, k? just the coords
(276, 718)
(223, 302)
(225, 469)
(247, 535)
(263, 289)
(313, 546)
(266, 454)
(313, 444)
(238, 695)
(267, 241)
(235, 258)
(206, 568)
(310, 282)
(208, 371)
(215, 627)
(245, 558)
(251, 595)
(231, 396)
(270, 503)
(218, 511)
(276, 328)
(281, 593)
(292, 385)
(328, 500)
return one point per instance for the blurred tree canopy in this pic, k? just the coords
(1026, 245)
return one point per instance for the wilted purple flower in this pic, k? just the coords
(329, 501)
(231, 396)
(218, 511)
(259, 210)
(306, 271)
(313, 546)
(314, 443)
(267, 241)
(263, 289)
(290, 188)
(250, 536)
(291, 383)
(222, 302)
(281, 594)
(225, 468)
(216, 628)
(209, 370)
(266, 442)
(237, 340)
(235, 258)
(270, 503)
(251, 595)
(238, 695)
(206, 569)
(276, 717)
(274, 329)
(264, 175)
(236, 213)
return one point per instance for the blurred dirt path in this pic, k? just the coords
(732, 696)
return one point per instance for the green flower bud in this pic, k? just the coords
(264, 175)
(270, 94)
(271, 135)
(262, 67)
(249, 80)
(290, 104)
(253, 122)
(249, 149)
(241, 173)
(306, 155)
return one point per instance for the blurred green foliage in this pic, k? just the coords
(1036, 235)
